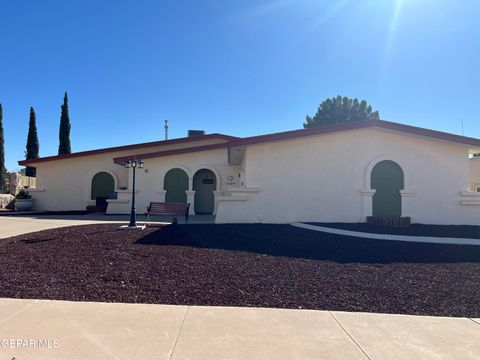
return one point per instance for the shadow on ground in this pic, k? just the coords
(288, 241)
(454, 231)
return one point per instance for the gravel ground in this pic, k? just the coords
(242, 265)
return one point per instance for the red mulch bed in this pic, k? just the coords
(242, 265)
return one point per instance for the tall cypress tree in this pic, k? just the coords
(3, 170)
(32, 143)
(64, 135)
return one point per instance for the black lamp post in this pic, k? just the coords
(133, 164)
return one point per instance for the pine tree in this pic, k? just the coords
(3, 170)
(340, 110)
(32, 143)
(64, 135)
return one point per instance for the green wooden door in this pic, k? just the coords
(102, 185)
(176, 183)
(387, 180)
(204, 184)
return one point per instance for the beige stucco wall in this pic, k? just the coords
(474, 172)
(317, 178)
(327, 178)
(150, 181)
(66, 184)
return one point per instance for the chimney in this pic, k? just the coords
(166, 129)
(192, 133)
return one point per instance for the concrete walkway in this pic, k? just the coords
(18, 225)
(40, 329)
(408, 238)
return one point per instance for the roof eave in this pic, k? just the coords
(120, 160)
(32, 162)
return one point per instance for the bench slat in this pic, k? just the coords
(157, 208)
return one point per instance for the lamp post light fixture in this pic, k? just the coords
(134, 163)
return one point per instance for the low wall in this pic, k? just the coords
(18, 181)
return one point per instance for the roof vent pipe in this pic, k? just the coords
(166, 129)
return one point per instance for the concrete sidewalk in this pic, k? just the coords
(18, 225)
(39, 329)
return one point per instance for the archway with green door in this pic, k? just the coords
(204, 184)
(387, 179)
(176, 183)
(103, 184)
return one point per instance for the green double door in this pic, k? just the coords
(204, 184)
(387, 180)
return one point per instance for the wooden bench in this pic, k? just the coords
(159, 208)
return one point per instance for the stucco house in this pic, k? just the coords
(341, 173)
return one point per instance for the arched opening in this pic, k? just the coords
(387, 180)
(103, 185)
(176, 183)
(204, 184)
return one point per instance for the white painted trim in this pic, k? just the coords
(244, 190)
(383, 157)
(405, 193)
(126, 191)
(232, 198)
(470, 193)
(181, 167)
(216, 195)
(470, 202)
(35, 190)
(191, 200)
(161, 195)
(118, 200)
(218, 179)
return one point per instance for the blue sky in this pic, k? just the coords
(238, 67)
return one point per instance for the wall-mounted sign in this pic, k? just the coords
(230, 180)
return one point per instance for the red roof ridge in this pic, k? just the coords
(353, 125)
